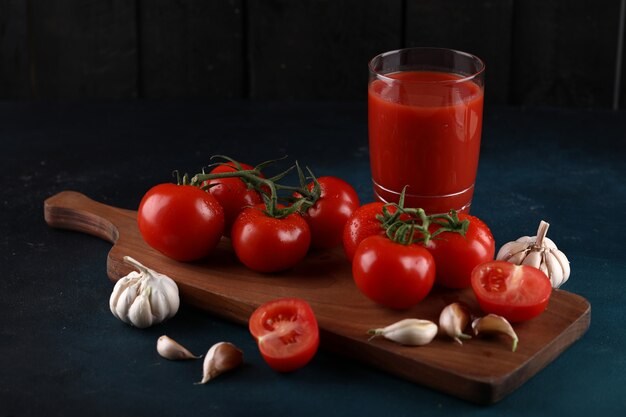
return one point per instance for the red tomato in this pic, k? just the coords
(232, 193)
(515, 292)
(181, 221)
(363, 223)
(287, 333)
(267, 244)
(457, 255)
(328, 216)
(394, 275)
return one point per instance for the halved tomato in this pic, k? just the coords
(287, 333)
(515, 292)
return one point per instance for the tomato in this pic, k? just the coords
(181, 221)
(233, 194)
(515, 292)
(287, 333)
(394, 275)
(457, 255)
(363, 223)
(328, 216)
(268, 244)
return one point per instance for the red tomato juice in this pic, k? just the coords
(424, 132)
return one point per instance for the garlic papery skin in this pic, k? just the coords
(453, 319)
(221, 357)
(410, 332)
(144, 298)
(492, 323)
(172, 350)
(539, 252)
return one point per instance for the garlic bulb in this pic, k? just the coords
(410, 332)
(144, 298)
(539, 252)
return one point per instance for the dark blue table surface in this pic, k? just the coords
(63, 353)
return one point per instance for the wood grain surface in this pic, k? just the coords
(481, 371)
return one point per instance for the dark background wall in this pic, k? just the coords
(538, 52)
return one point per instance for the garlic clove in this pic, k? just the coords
(221, 357)
(493, 324)
(518, 258)
(554, 270)
(170, 290)
(159, 305)
(563, 262)
(453, 319)
(172, 350)
(126, 300)
(140, 312)
(544, 267)
(120, 286)
(510, 249)
(410, 332)
(533, 259)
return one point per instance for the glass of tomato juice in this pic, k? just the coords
(425, 108)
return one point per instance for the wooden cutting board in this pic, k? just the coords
(482, 370)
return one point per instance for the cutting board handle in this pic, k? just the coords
(75, 211)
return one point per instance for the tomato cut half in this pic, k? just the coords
(287, 333)
(515, 292)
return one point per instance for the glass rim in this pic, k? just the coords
(463, 79)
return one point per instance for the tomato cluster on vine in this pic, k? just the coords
(399, 253)
(269, 231)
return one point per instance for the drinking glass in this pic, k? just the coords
(425, 108)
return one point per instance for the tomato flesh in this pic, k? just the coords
(515, 292)
(286, 332)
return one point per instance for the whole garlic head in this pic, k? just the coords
(539, 252)
(144, 298)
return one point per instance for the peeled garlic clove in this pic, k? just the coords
(410, 332)
(492, 323)
(221, 357)
(453, 319)
(172, 350)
